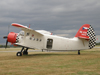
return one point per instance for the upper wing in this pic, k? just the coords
(25, 28)
(44, 32)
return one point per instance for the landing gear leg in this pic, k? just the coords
(78, 52)
(42, 50)
(20, 53)
(25, 52)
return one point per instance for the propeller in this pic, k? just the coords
(6, 43)
(5, 37)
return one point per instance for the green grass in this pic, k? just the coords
(50, 63)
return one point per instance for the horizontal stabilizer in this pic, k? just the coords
(83, 37)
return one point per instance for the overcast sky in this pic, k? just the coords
(62, 17)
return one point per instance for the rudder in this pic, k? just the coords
(92, 36)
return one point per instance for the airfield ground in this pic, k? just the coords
(50, 63)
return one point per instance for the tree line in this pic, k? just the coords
(98, 43)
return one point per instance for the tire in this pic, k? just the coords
(19, 54)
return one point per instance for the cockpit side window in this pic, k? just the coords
(21, 33)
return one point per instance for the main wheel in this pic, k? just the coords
(19, 54)
(25, 52)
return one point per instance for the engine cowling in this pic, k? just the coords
(12, 37)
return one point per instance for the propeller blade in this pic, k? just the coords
(5, 37)
(6, 44)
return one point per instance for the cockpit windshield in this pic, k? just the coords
(21, 33)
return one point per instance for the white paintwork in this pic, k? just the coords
(38, 39)
(44, 32)
(59, 43)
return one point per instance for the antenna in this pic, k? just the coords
(29, 25)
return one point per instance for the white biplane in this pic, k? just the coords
(85, 38)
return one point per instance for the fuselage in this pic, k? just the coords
(85, 38)
(62, 43)
(52, 42)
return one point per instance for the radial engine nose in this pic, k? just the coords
(12, 37)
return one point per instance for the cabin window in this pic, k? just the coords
(21, 33)
(27, 34)
(33, 38)
(30, 38)
(49, 43)
(37, 39)
(40, 40)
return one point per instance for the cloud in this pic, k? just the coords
(50, 15)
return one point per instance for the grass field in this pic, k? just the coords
(50, 63)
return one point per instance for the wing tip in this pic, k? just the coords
(18, 25)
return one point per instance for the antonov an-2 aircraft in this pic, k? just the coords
(85, 38)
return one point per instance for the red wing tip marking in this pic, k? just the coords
(18, 25)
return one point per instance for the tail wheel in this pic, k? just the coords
(78, 52)
(19, 54)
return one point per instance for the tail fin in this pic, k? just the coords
(87, 32)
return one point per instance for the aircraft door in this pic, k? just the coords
(49, 43)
